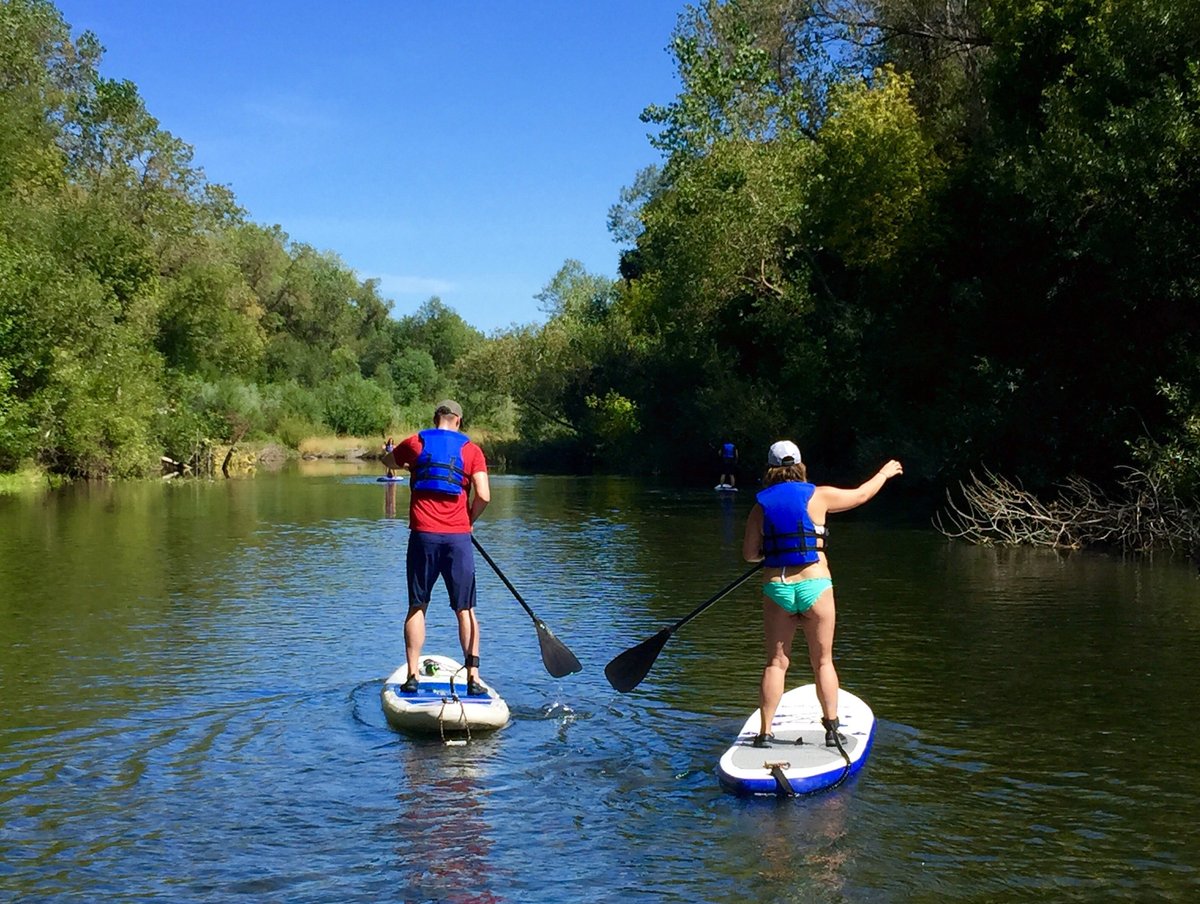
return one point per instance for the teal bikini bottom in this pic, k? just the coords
(796, 597)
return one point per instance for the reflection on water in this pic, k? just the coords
(443, 838)
(389, 500)
(191, 675)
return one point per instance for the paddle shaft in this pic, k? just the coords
(556, 655)
(500, 574)
(626, 670)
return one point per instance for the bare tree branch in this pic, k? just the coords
(1143, 515)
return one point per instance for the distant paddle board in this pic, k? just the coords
(797, 761)
(725, 488)
(440, 704)
(390, 479)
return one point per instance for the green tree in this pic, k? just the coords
(415, 376)
(438, 330)
(210, 322)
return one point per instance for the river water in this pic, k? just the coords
(191, 676)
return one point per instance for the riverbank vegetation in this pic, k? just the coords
(143, 314)
(958, 234)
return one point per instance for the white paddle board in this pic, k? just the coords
(441, 704)
(797, 761)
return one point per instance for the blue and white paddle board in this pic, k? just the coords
(386, 479)
(797, 761)
(440, 704)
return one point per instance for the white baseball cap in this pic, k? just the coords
(783, 453)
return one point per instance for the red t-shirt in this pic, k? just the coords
(438, 512)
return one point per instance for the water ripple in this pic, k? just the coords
(192, 679)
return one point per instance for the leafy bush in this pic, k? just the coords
(290, 402)
(292, 430)
(16, 436)
(1175, 463)
(234, 408)
(181, 430)
(355, 406)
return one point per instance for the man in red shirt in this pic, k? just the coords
(449, 490)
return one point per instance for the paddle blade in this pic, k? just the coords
(627, 669)
(558, 658)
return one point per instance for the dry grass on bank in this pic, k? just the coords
(340, 446)
(330, 446)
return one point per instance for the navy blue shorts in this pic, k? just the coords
(448, 556)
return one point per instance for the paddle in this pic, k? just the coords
(558, 659)
(627, 669)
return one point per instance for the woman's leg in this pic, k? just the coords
(818, 625)
(779, 628)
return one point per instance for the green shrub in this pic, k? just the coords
(290, 402)
(292, 429)
(181, 430)
(16, 433)
(355, 406)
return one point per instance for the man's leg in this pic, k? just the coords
(468, 637)
(414, 638)
(458, 571)
(421, 564)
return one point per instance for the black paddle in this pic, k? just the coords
(558, 659)
(627, 669)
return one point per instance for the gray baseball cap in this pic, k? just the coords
(448, 406)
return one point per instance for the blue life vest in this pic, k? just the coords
(727, 451)
(439, 467)
(789, 535)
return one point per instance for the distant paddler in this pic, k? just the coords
(388, 446)
(728, 454)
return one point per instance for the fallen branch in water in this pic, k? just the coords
(1143, 515)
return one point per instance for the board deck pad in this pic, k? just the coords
(784, 766)
(441, 703)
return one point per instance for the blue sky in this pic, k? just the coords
(457, 149)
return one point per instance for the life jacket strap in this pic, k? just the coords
(773, 542)
(424, 468)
